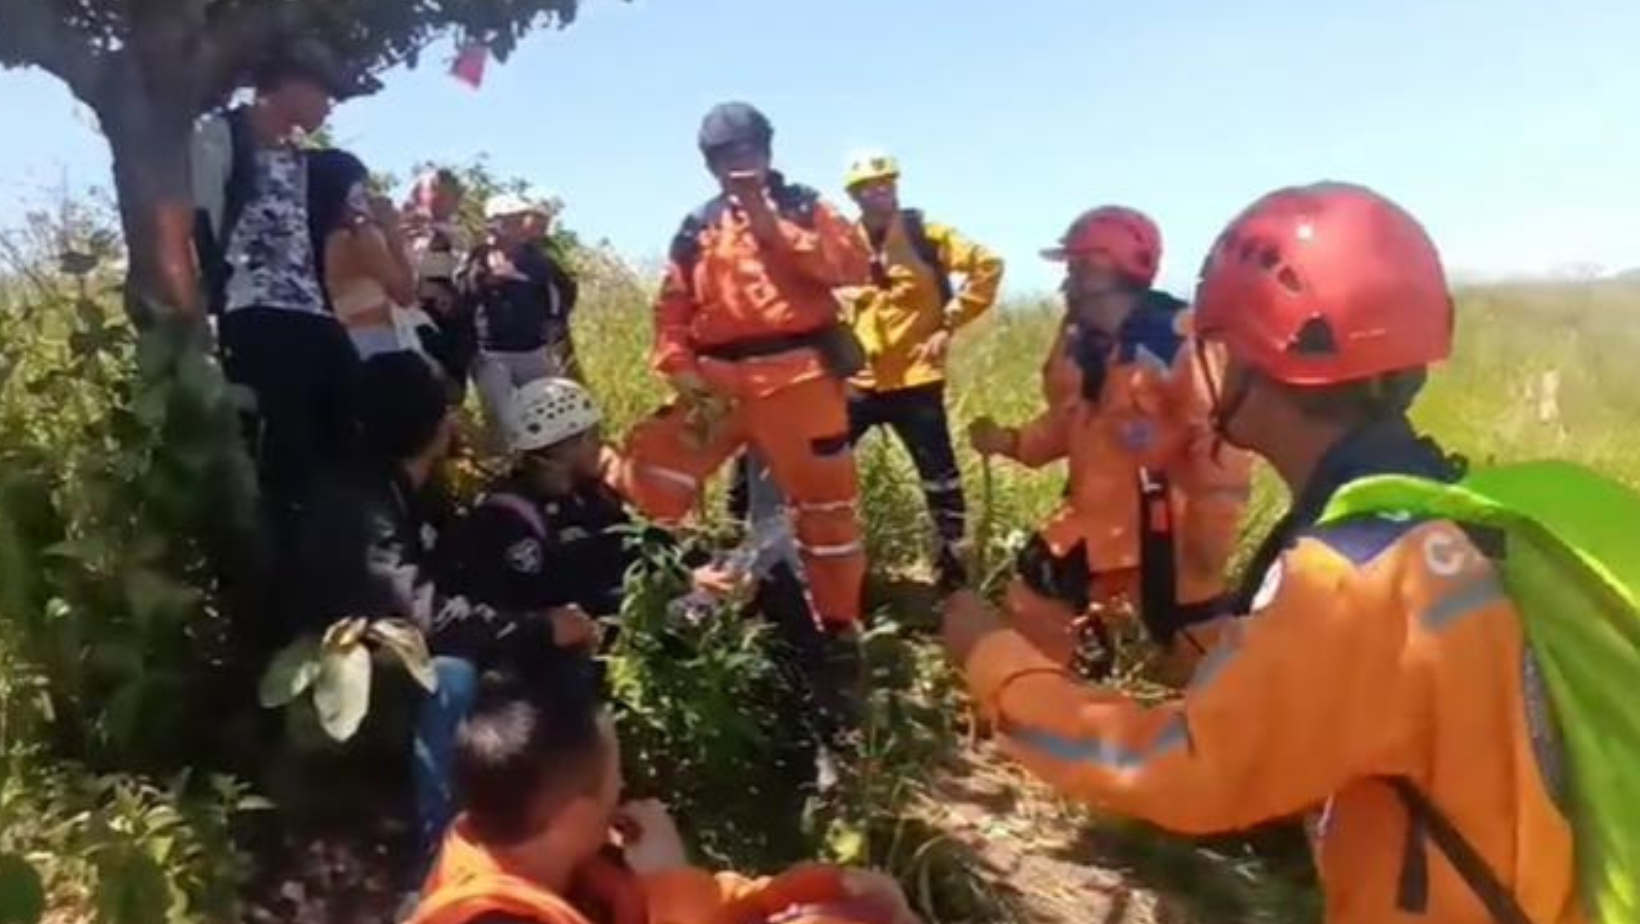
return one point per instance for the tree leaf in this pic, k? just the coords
(131, 888)
(342, 694)
(405, 642)
(290, 673)
(344, 634)
(22, 894)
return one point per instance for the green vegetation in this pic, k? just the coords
(124, 713)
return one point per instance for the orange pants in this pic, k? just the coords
(802, 433)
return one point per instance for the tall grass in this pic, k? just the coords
(1488, 404)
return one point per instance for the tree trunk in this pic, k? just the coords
(150, 136)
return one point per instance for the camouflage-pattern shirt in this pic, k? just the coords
(271, 255)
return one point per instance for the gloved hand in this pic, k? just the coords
(990, 438)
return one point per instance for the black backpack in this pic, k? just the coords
(916, 231)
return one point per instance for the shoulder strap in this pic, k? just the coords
(916, 231)
(1500, 903)
(795, 202)
(685, 250)
(522, 508)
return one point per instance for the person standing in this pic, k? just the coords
(748, 332)
(522, 301)
(366, 260)
(261, 255)
(906, 319)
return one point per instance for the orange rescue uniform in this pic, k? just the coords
(469, 884)
(757, 326)
(1373, 650)
(1146, 472)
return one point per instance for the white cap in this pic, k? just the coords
(502, 205)
(547, 412)
(545, 201)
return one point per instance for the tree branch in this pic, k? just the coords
(236, 33)
(36, 32)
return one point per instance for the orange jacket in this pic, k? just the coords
(1373, 650)
(469, 883)
(724, 287)
(1152, 413)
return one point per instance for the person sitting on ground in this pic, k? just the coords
(543, 838)
(367, 540)
(1378, 679)
(547, 539)
(367, 262)
(1153, 500)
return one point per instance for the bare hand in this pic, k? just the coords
(500, 265)
(384, 212)
(749, 189)
(934, 349)
(881, 894)
(719, 581)
(687, 384)
(990, 438)
(650, 838)
(573, 628)
(968, 618)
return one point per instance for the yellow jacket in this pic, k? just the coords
(896, 315)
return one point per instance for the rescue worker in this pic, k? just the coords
(1378, 678)
(544, 840)
(749, 334)
(1153, 501)
(905, 320)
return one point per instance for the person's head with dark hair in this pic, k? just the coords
(298, 83)
(538, 768)
(334, 176)
(404, 413)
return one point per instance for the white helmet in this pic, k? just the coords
(547, 412)
(503, 205)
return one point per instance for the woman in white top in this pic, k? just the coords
(366, 264)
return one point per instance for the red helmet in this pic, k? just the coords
(1325, 284)
(1126, 236)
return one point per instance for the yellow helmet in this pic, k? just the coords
(871, 166)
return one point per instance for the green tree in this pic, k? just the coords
(149, 68)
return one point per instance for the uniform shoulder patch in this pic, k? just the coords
(1269, 588)
(524, 556)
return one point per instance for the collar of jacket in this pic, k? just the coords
(1384, 447)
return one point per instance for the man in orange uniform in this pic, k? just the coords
(748, 332)
(540, 765)
(1154, 501)
(1378, 680)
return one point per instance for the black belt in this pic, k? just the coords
(754, 347)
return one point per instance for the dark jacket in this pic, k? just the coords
(520, 315)
(517, 555)
(364, 549)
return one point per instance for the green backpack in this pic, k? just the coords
(1572, 568)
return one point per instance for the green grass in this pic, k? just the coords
(1483, 404)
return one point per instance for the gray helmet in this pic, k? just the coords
(731, 125)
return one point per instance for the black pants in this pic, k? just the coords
(301, 368)
(917, 417)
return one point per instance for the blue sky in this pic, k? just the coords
(1512, 127)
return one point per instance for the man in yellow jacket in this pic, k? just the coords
(905, 320)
